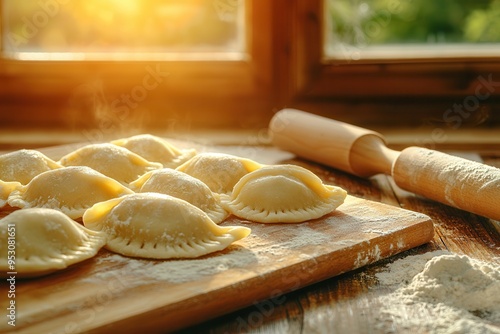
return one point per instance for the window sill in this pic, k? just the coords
(466, 139)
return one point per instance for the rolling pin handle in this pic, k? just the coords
(336, 144)
(370, 156)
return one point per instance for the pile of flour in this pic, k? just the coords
(448, 293)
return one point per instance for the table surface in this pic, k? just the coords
(347, 303)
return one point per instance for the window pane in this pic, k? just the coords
(355, 27)
(123, 26)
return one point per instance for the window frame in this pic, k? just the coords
(379, 92)
(285, 67)
(39, 92)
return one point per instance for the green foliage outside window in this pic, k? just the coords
(373, 22)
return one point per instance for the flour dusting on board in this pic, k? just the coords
(269, 246)
(372, 255)
(303, 236)
(177, 271)
(457, 294)
(236, 257)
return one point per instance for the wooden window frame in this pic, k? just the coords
(191, 93)
(378, 92)
(285, 67)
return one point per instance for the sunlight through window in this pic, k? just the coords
(109, 29)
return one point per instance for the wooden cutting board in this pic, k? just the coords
(112, 293)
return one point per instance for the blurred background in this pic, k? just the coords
(164, 65)
(414, 21)
(121, 26)
(209, 26)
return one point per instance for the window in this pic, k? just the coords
(380, 85)
(110, 29)
(83, 64)
(384, 29)
(253, 58)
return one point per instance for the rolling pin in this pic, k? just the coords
(451, 180)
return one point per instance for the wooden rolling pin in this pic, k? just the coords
(451, 180)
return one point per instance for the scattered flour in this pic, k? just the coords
(402, 271)
(303, 236)
(142, 271)
(177, 271)
(450, 293)
(364, 258)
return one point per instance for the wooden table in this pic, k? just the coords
(347, 303)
